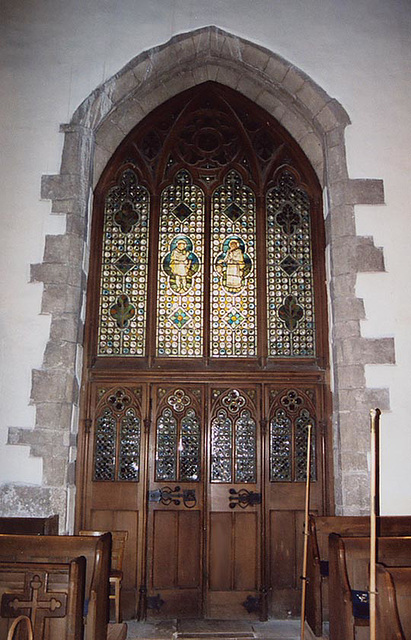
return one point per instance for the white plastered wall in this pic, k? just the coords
(55, 53)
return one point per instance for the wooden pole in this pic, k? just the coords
(307, 505)
(374, 424)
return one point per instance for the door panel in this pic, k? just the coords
(234, 502)
(214, 500)
(290, 409)
(114, 496)
(175, 516)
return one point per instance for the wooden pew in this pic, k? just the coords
(349, 560)
(50, 594)
(320, 528)
(48, 526)
(393, 602)
(62, 549)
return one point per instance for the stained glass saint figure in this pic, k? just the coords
(181, 264)
(233, 265)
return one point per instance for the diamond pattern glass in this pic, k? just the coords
(190, 460)
(291, 414)
(105, 447)
(123, 282)
(233, 439)
(301, 434)
(233, 270)
(280, 447)
(245, 448)
(166, 453)
(221, 448)
(129, 459)
(290, 300)
(180, 270)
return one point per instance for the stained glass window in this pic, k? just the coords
(233, 281)
(178, 444)
(123, 285)
(233, 440)
(181, 270)
(117, 438)
(290, 300)
(291, 416)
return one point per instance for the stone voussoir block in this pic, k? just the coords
(60, 355)
(366, 351)
(59, 186)
(358, 400)
(58, 298)
(369, 257)
(348, 308)
(52, 386)
(313, 97)
(55, 416)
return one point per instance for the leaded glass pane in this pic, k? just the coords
(245, 448)
(166, 454)
(233, 267)
(301, 435)
(221, 447)
(105, 447)
(190, 461)
(123, 284)
(180, 270)
(290, 300)
(280, 447)
(129, 462)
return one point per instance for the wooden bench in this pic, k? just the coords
(349, 560)
(48, 526)
(51, 595)
(320, 528)
(61, 549)
(393, 602)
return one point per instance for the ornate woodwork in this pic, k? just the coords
(205, 358)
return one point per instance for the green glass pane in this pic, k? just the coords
(290, 296)
(123, 283)
(233, 270)
(180, 270)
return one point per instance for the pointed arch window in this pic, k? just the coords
(212, 239)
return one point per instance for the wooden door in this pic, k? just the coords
(175, 502)
(290, 408)
(234, 503)
(115, 474)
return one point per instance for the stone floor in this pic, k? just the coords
(214, 630)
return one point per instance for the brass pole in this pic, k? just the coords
(374, 424)
(306, 533)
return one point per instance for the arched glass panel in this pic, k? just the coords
(233, 439)
(233, 267)
(181, 270)
(290, 299)
(178, 444)
(123, 283)
(288, 437)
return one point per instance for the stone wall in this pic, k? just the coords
(317, 122)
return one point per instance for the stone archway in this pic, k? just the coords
(317, 122)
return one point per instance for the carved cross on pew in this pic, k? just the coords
(35, 602)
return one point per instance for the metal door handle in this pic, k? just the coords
(167, 495)
(243, 498)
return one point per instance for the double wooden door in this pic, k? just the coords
(209, 480)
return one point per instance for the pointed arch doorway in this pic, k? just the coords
(206, 343)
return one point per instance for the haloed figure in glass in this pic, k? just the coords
(233, 264)
(181, 264)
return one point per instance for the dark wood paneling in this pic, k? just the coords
(220, 576)
(246, 551)
(165, 537)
